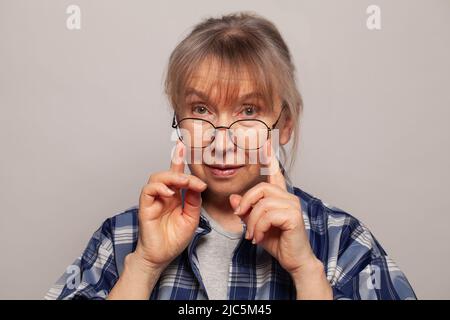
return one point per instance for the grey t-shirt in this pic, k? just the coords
(214, 253)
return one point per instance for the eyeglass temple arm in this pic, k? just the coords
(174, 121)
(279, 117)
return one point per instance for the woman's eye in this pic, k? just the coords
(249, 111)
(200, 109)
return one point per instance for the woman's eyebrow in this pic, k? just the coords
(202, 95)
(192, 91)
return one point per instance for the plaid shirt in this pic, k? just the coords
(356, 265)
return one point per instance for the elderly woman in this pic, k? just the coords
(235, 227)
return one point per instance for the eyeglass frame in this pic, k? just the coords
(175, 124)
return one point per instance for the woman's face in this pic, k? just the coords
(222, 165)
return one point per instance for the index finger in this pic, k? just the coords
(177, 162)
(275, 175)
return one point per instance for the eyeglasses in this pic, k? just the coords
(247, 134)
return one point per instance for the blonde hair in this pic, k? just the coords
(242, 41)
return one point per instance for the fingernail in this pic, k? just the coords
(180, 153)
(170, 191)
(236, 211)
(254, 241)
(247, 235)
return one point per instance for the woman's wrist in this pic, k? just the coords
(311, 282)
(137, 279)
(137, 264)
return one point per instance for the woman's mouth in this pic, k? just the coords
(223, 170)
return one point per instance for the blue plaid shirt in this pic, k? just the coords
(356, 265)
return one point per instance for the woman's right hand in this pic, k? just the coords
(165, 227)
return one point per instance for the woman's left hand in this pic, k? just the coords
(274, 220)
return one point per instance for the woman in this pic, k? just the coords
(235, 228)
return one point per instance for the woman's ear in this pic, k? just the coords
(286, 130)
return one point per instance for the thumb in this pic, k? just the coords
(235, 199)
(192, 204)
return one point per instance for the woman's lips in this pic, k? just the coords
(223, 171)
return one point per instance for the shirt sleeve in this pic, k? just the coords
(93, 274)
(360, 268)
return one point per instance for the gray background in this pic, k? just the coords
(84, 122)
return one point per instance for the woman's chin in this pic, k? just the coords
(221, 188)
(234, 186)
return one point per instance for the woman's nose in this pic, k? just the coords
(222, 141)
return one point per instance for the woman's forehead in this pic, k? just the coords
(218, 83)
(212, 67)
(218, 87)
(222, 91)
(214, 79)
